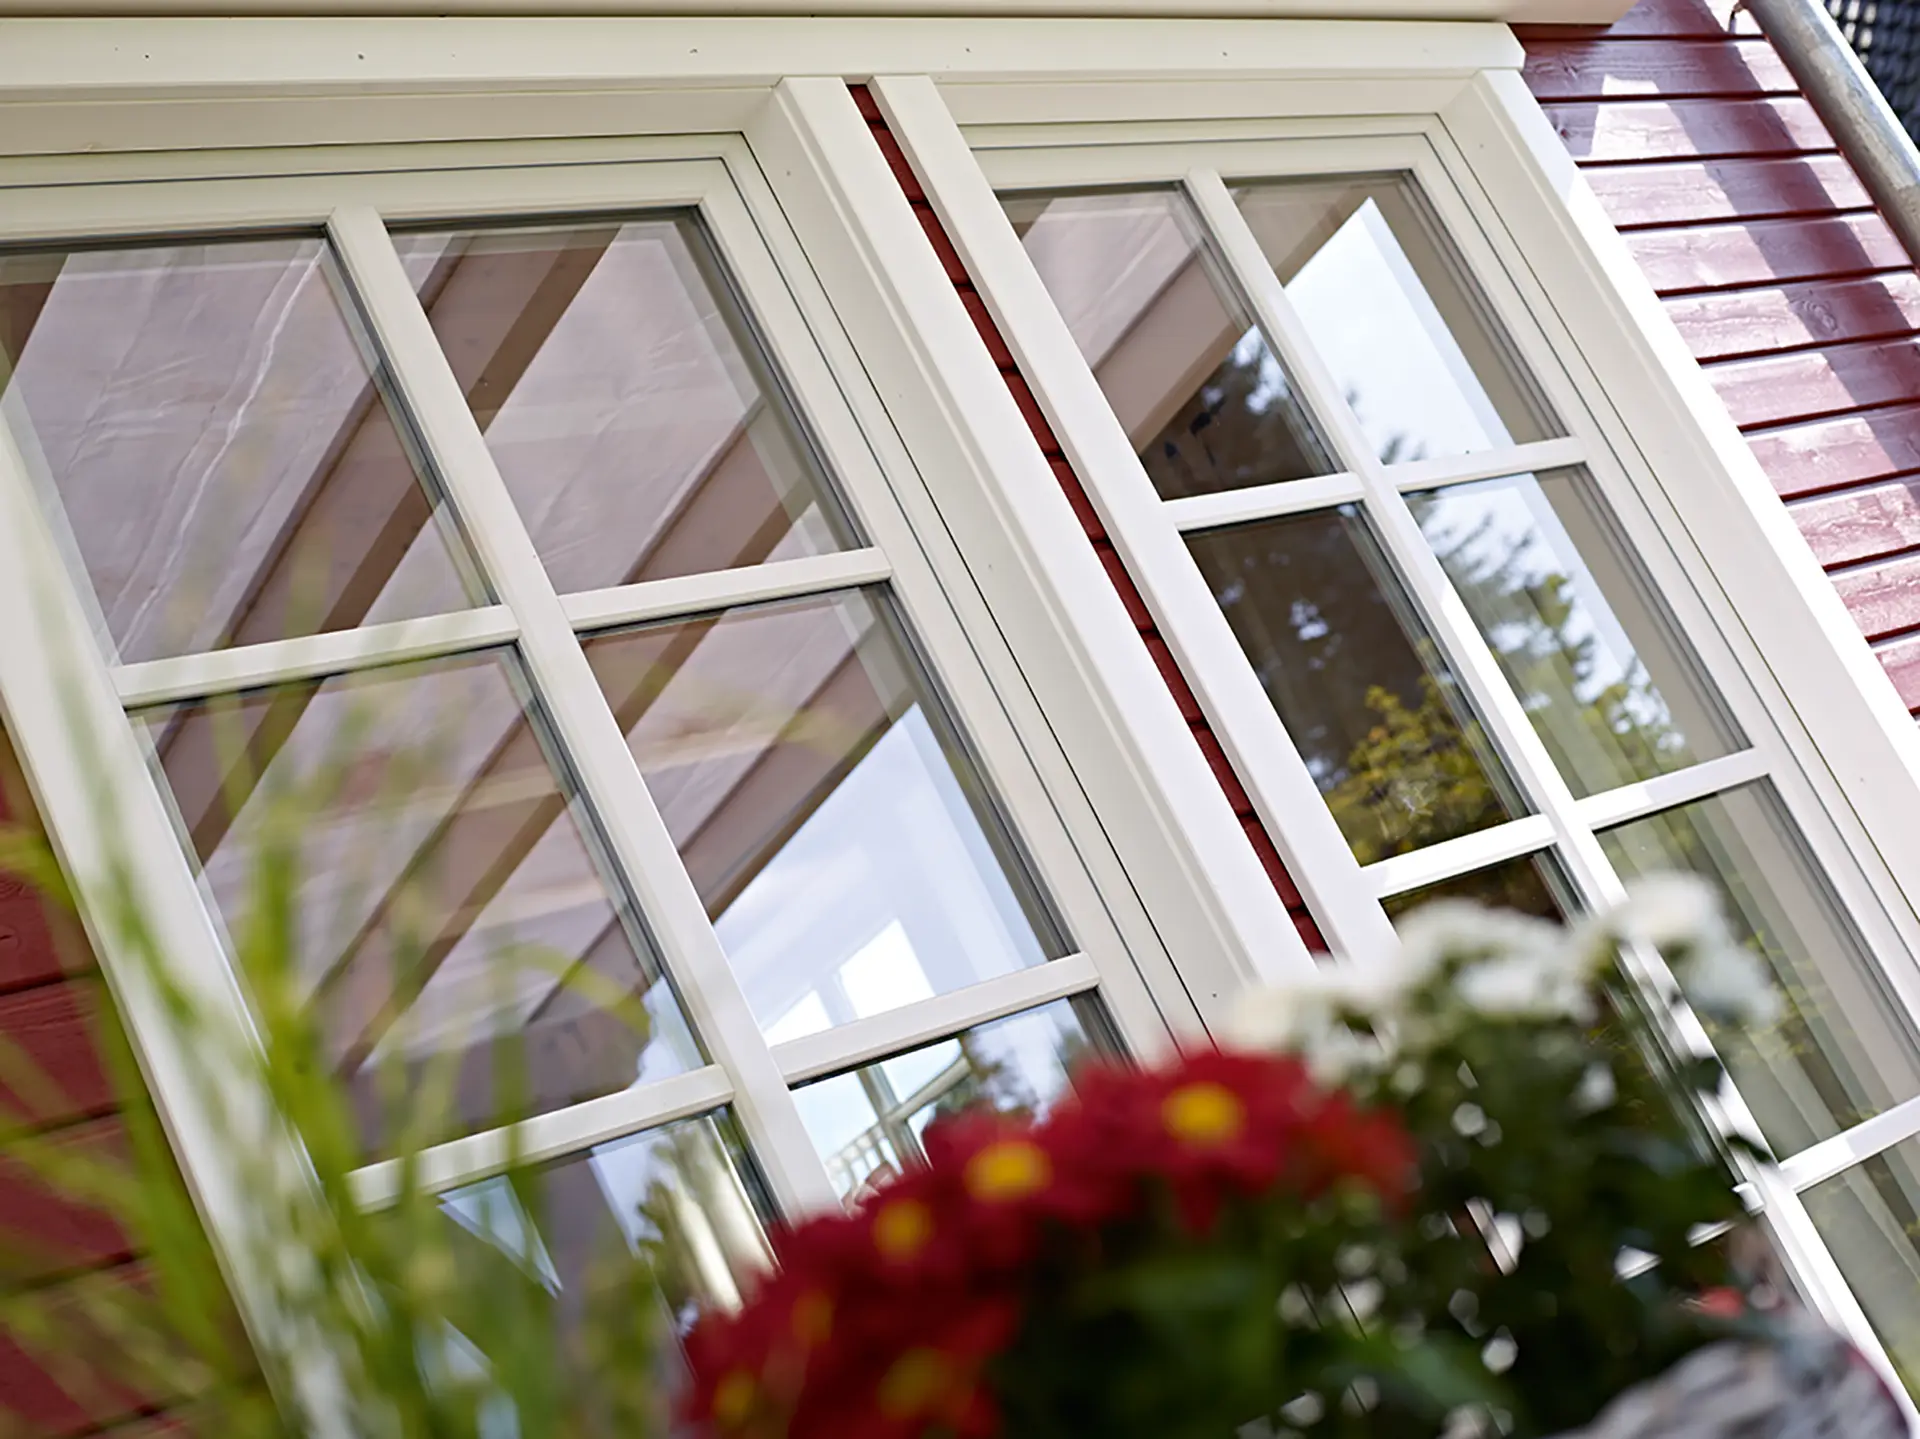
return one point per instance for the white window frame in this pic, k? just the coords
(1056, 655)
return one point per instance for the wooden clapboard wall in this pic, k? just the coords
(1795, 297)
(49, 996)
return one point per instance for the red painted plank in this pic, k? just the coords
(1606, 69)
(1753, 322)
(1901, 660)
(52, 1027)
(1635, 129)
(29, 951)
(78, 1400)
(1884, 598)
(1711, 256)
(1780, 389)
(1704, 191)
(44, 1232)
(1846, 450)
(1666, 19)
(1861, 524)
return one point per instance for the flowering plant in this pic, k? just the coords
(1450, 1192)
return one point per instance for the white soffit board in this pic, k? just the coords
(1537, 12)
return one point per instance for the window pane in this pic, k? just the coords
(219, 444)
(1870, 1218)
(623, 399)
(446, 889)
(841, 839)
(663, 1218)
(1187, 372)
(1843, 1050)
(1391, 312)
(1532, 884)
(1363, 692)
(1610, 686)
(867, 1122)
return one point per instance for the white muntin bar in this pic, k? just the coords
(1558, 454)
(1453, 857)
(186, 677)
(722, 589)
(545, 1137)
(612, 785)
(865, 1040)
(1261, 502)
(1650, 796)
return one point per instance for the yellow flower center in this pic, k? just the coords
(902, 1228)
(733, 1398)
(914, 1384)
(812, 1318)
(1009, 1169)
(1203, 1113)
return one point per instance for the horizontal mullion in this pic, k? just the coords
(1666, 791)
(1820, 1162)
(1454, 857)
(848, 1046)
(1489, 465)
(184, 677)
(1262, 502)
(546, 1137)
(721, 589)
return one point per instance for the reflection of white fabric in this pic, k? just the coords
(1376, 328)
(895, 844)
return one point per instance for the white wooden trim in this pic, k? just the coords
(610, 781)
(938, 589)
(1317, 856)
(118, 849)
(554, 1135)
(1261, 502)
(848, 1046)
(721, 589)
(1666, 791)
(1515, 12)
(154, 682)
(132, 59)
(1527, 459)
(1453, 857)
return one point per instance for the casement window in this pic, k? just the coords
(566, 460)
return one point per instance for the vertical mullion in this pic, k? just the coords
(611, 782)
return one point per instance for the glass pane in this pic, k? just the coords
(1870, 1218)
(668, 1212)
(1532, 884)
(1361, 689)
(623, 399)
(840, 838)
(219, 444)
(1610, 686)
(867, 1122)
(1391, 312)
(1843, 1050)
(447, 891)
(1189, 375)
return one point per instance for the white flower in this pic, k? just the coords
(1728, 983)
(1525, 986)
(1671, 911)
(1462, 930)
(1296, 1014)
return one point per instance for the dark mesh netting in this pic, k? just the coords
(1886, 34)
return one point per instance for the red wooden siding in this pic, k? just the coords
(1792, 293)
(48, 1003)
(1090, 522)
